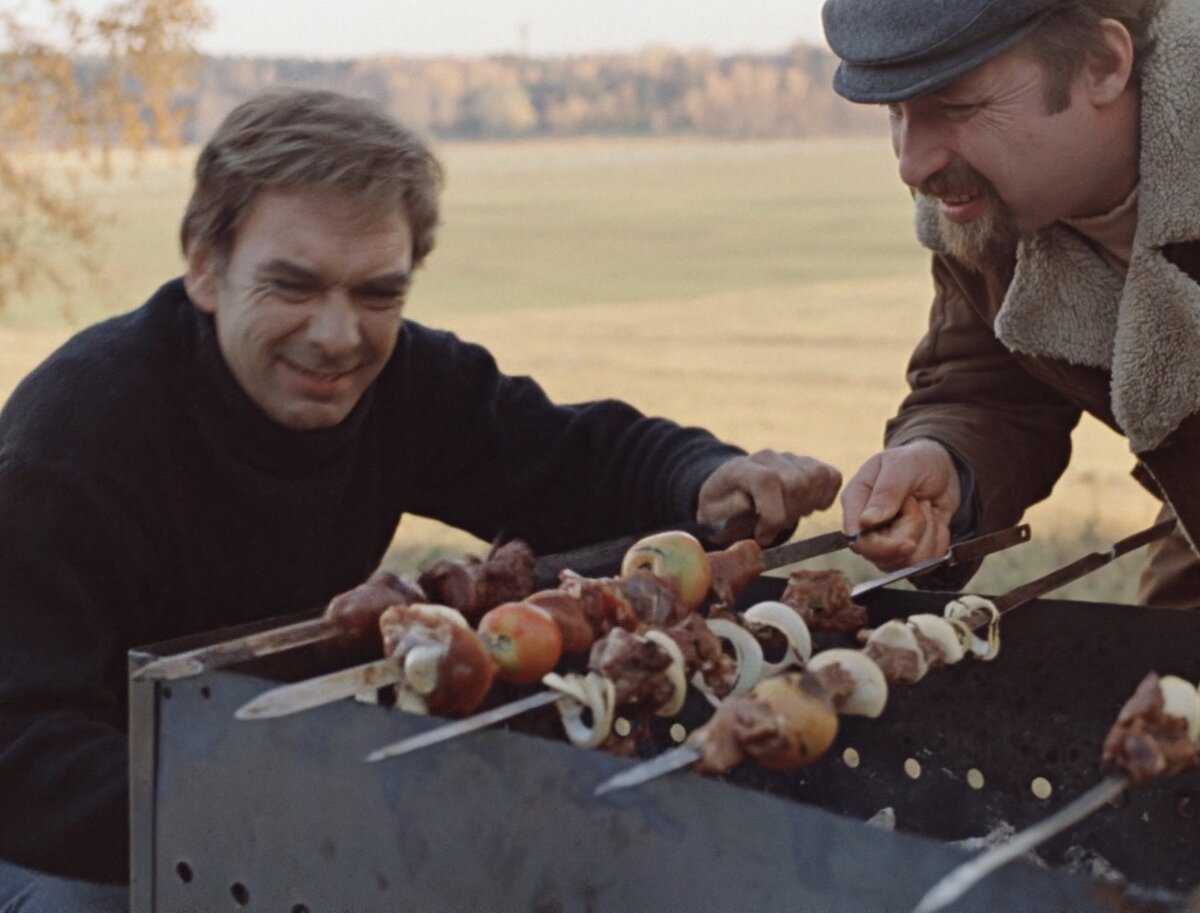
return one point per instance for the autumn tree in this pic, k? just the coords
(74, 86)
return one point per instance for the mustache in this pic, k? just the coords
(957, 179)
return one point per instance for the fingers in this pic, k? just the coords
(895, 545)
(858, 493)
(782, 488)
(917, 484)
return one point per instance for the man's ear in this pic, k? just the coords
(200, 280)
(1109, 69)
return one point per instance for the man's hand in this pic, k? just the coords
(918, 485)
(780, 487)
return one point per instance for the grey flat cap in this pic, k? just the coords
(892, 50)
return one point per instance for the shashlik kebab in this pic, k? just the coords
(823, 599)
(668, 556)
(333, 624)
(1157, 734)
(903, 651)
(576, 615)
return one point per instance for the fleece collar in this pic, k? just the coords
(1065, 302)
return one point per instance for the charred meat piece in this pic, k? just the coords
(655, 600)
(637, 667)
(732, 569)
(703, 653)
(357, 611)
(629, 602)
(822, 598)
(569, 613)
(474, 585)
(603, 601)
(1147, 741)
(784, 722)
(447, 669)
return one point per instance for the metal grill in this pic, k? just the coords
(282, 815)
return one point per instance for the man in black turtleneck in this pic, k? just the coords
(245, 443)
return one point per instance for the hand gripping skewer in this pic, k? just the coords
(685, 755)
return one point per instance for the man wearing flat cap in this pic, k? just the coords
(1053, 150)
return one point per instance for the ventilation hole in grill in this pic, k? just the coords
(975, 778)
(1051, 758)
(622, 727)
(240, 894)
(300, 908)
(166, 692)
(850, 758)
(206, 692)
(1041, 787)
(912, 767)
(184, 871)
(678, 732)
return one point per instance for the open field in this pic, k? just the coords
(769, 291)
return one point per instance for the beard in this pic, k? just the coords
(991, 237)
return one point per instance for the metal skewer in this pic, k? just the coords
(462, 727)
(324, 689)
(217, 656)
(965, 551)
(967, 875)
(685, 755)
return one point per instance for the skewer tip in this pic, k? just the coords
(170, 667)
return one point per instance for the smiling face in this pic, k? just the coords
(1000, 164)
(308, 307)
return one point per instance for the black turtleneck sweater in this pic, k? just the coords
(143, 496)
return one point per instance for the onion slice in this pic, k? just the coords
(975, 612)
(592, 692)
(747, 657)
(787, 621)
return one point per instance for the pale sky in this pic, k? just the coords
(351, 28)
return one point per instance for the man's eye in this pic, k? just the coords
(291, 291)
(382, 301)
(960, 109)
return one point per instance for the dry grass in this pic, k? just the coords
(770, 292)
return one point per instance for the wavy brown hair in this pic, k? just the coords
(310, 140)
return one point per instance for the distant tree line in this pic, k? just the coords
(655, 92)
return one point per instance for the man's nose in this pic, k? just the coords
(921, 151)
(333, 325)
